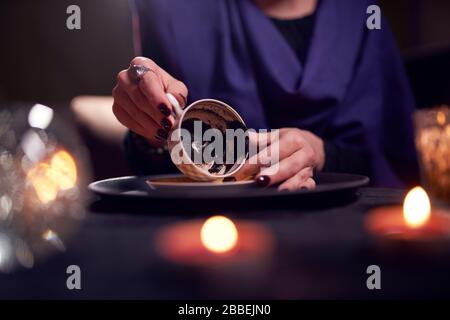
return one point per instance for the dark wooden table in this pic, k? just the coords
(320, 253)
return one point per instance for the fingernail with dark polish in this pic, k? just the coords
(229, 179)
(303, 188)
(262, 181)
(166, 124)
(164, 110)
(162, 133)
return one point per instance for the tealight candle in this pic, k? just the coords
(415, 222)
(216, 241)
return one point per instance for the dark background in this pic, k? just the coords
(41, 60)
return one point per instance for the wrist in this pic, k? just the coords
(146, 146)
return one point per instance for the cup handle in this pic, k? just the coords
(175, 104)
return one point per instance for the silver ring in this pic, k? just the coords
(136, 72)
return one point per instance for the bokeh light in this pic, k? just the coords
(40, 116)
(58, 174)
(219, 234)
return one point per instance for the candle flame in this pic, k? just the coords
(441, 118)
(48, 178)
(219, 234)
(416, 208)
(63, 170)
(46, 189)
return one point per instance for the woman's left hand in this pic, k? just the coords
(290, 157)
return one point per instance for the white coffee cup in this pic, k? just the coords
(217, 115)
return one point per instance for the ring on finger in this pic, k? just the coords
(137, 71)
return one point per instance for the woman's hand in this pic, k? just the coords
(143, 106)
(289, 159)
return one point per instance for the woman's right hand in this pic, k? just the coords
(143, 106)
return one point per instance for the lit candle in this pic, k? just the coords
(216, 241)
(415, 222)
(56, 173)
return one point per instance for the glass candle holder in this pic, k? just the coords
(44, 170)
(432, 138)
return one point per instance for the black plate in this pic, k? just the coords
(133, 195)
(136, 188)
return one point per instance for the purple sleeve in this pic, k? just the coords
(376, 113)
